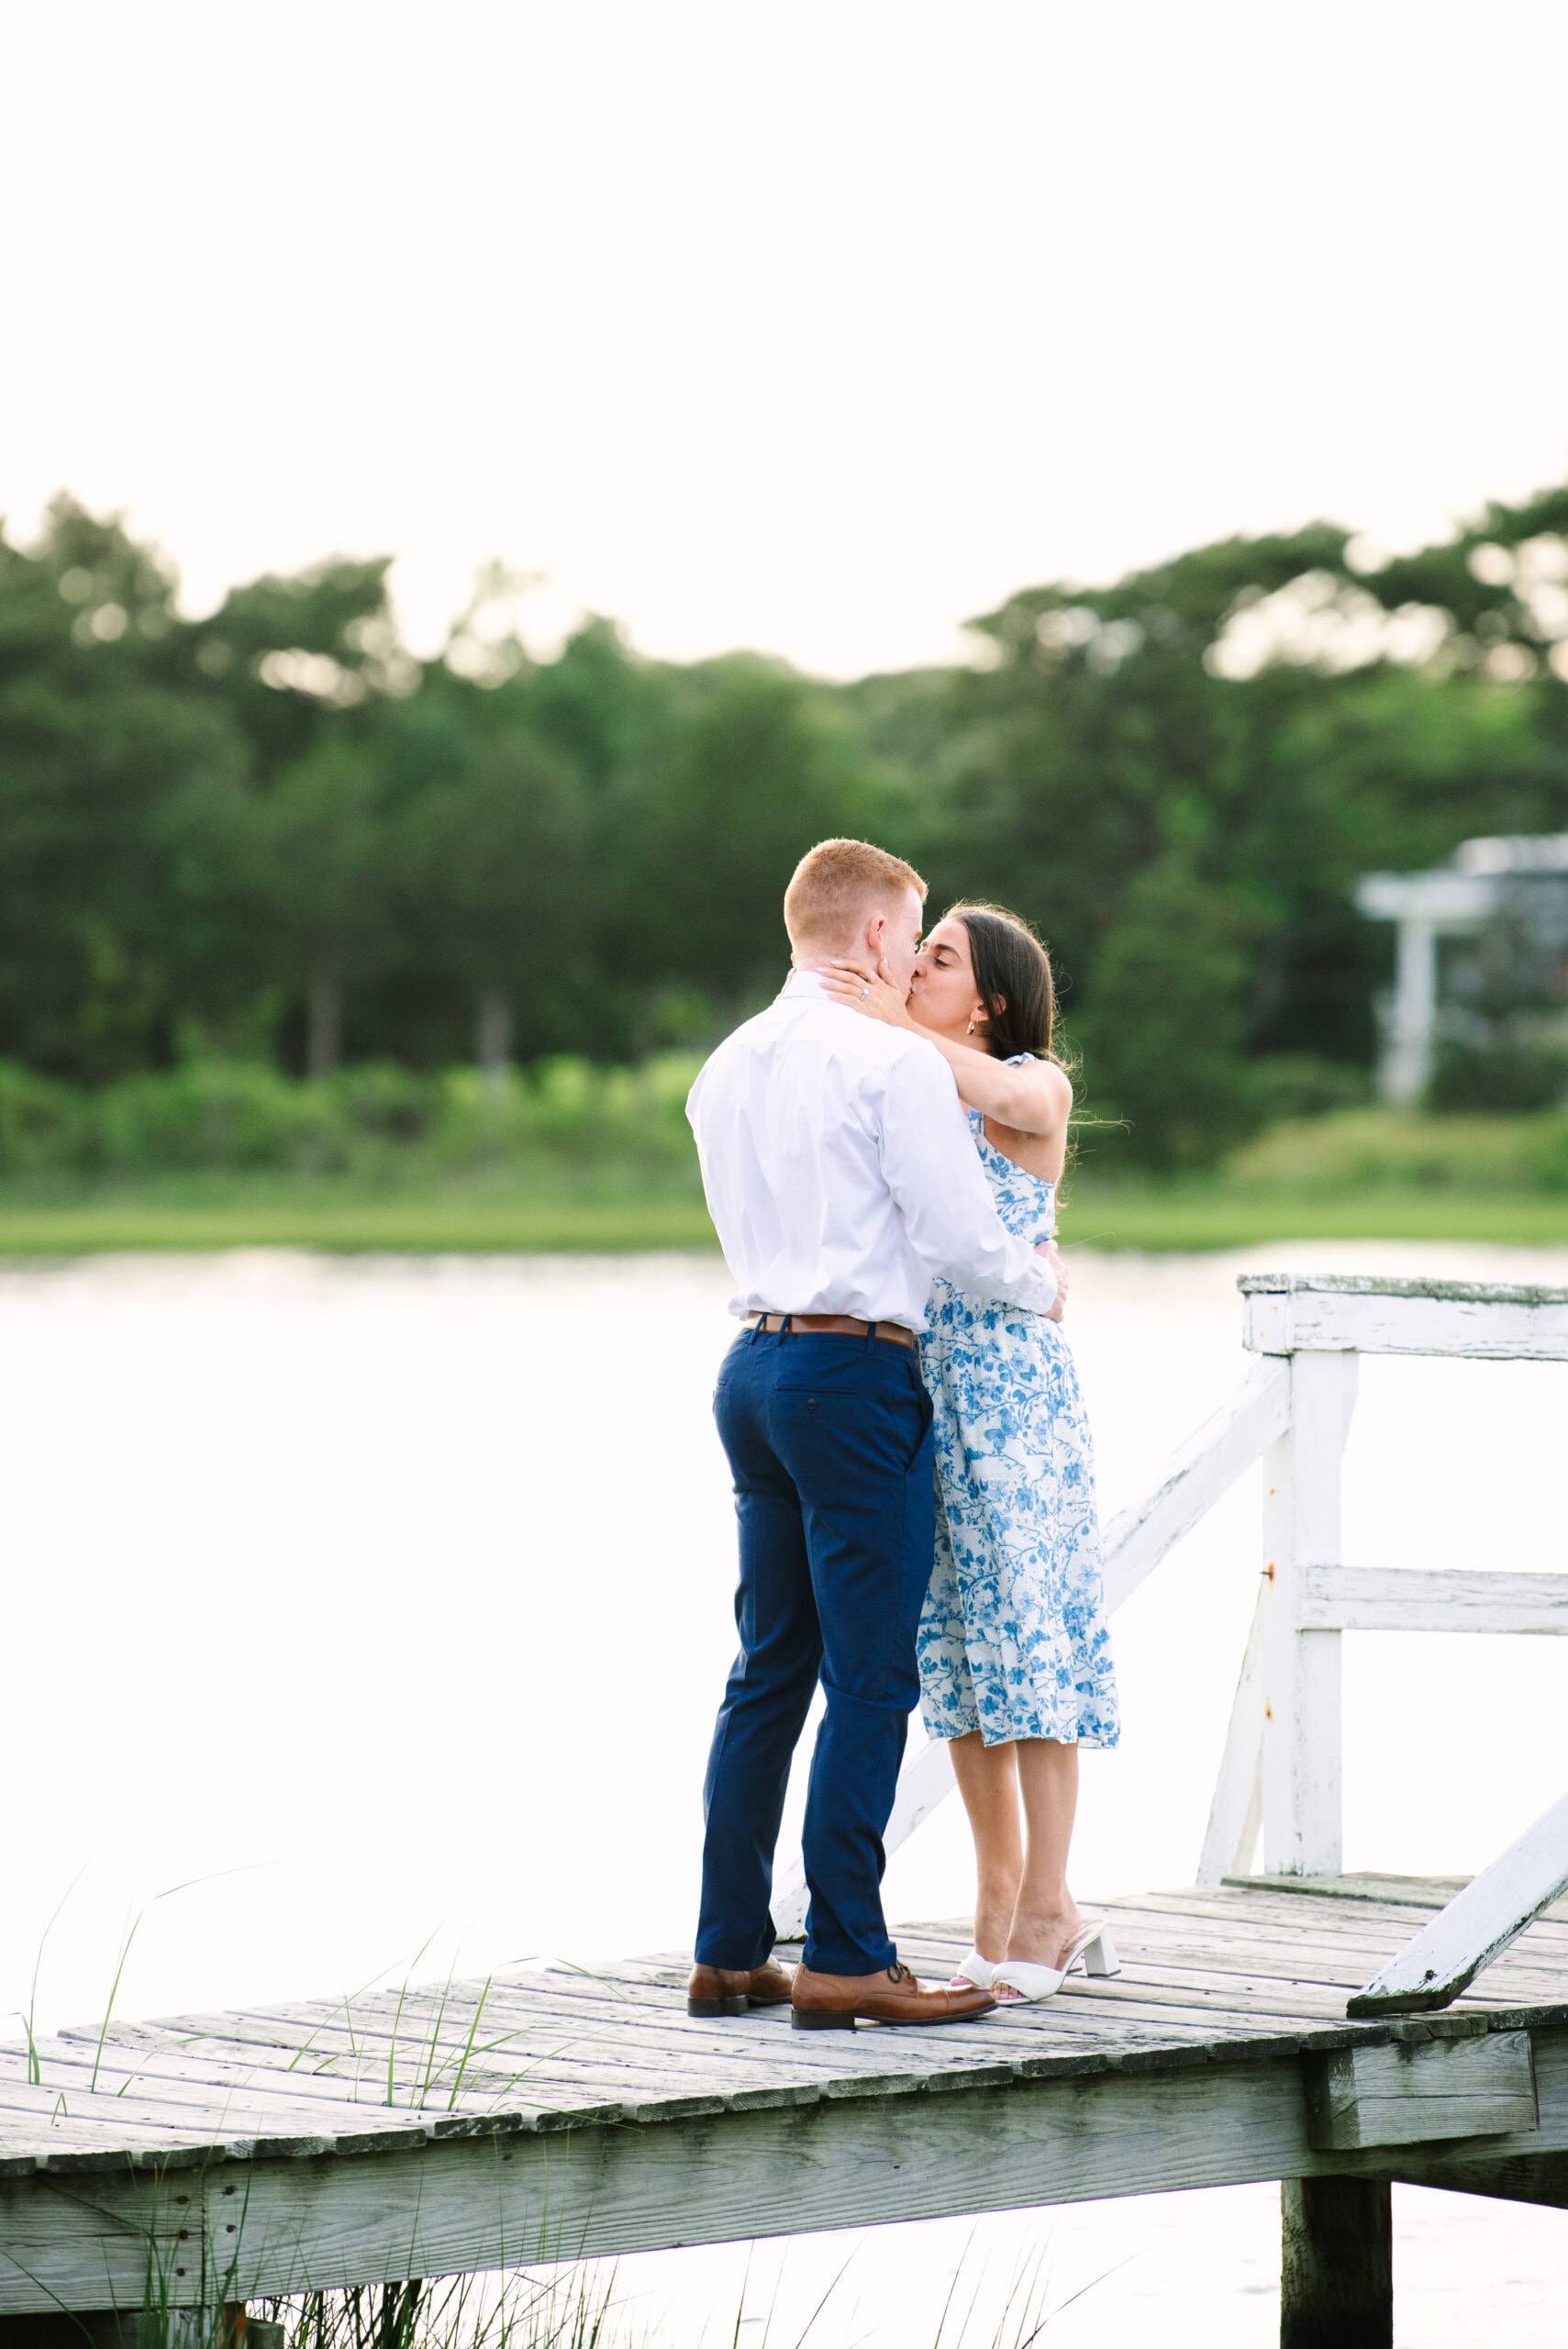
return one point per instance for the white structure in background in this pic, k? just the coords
(1458, 901)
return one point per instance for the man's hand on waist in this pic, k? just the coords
(1046, 1248)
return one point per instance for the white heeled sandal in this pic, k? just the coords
(1091, 1947)
(972, 1971)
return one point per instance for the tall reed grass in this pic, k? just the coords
(584, 2305)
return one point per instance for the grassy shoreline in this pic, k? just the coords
(570, 1158)
(343, 1217)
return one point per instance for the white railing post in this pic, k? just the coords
(1301, 1667)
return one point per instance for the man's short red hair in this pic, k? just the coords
(839, 882)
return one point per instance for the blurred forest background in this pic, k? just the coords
(275, 894)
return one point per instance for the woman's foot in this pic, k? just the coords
(1039, 1936)
(1042, 1937)
(1090, 1947)
(993, 1908)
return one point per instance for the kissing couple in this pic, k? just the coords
(914, 1479)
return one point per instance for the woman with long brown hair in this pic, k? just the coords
(1015, 1659)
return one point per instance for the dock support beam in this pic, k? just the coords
(1301, 1666)
(1337, 2264)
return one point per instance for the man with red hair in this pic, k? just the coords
(841, 1178)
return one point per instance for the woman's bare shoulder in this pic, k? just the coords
(1048, 1084)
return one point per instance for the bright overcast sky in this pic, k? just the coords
(814, 327)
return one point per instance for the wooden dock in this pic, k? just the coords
(554, 2113)
(1334, 2032)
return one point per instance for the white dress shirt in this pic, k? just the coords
(840, 1173)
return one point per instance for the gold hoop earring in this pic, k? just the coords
(970, 1030)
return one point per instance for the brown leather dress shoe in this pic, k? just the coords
(716, 1990)
(837, 2001)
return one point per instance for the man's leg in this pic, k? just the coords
(771, 1683)
(854, 1428)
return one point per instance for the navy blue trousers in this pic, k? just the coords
(829, 1439)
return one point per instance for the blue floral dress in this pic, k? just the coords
(1013, 1639)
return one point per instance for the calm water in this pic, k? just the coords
(384, 1605)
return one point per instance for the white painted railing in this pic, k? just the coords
(1282, 1753)
(1281, 1767)
(1476, 1926)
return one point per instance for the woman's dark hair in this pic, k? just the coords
(1012, 980)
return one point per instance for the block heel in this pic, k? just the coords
(1099, 1957)
(827, 2018)
(738, 2006)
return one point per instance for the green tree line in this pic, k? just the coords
(274, 835)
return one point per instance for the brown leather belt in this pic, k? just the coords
(835, 1325)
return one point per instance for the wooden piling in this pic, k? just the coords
(1337, 2264)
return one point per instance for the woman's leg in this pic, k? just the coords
(1045, 1916)
(988, 1780)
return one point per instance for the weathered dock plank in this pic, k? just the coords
(551, 2112)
